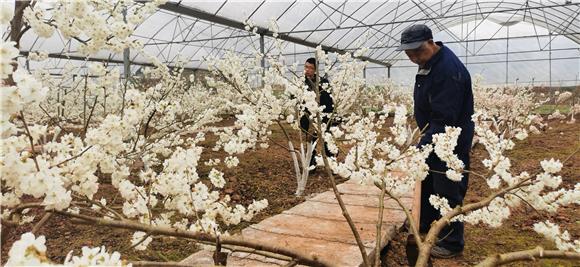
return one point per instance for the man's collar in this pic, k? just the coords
(435, 57)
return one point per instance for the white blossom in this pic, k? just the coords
(551, 166)
(231, 161)
(444, 146)
(563, 97)
(217, 178)
(28, 251)
(562, 239)
(139, 237)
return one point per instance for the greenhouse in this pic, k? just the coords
(505, 41)
(290, 132)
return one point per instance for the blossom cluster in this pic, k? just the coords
(379, 158)
(77, 19)
(562, 239)
(143, 133)
(444, 149)
(31, 251)
(497, 106)
(8, 52)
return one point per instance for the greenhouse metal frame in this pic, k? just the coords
(193, 30)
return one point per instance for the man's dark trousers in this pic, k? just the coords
(451, 237)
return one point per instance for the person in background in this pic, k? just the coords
(325, 100)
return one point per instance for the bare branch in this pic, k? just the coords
(71, 158)
(332, 179)
(310, 259)
(379, 225)
(90, 116)
(159, 263)
(528, 255)
(31, 141)
(41, 223)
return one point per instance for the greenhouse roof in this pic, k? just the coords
(526, 35)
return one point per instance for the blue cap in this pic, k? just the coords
(414, 36)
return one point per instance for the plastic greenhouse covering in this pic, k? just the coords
(532, 42)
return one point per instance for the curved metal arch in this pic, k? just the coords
(475, 6)
(552, 16)
(454, 21)
(550, 24)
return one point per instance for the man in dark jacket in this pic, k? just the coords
(325, 100)
(442, 97)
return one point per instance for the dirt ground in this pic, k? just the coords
(517, 232)
(268, 173)
(263, 173)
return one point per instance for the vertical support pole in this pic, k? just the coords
(466, 30)
(466, 43)
(507, 43)
(263, 59)
(550, 58)
(365, 73)
(294, 52)
(389, 72)
(126, 53)
(126, 63)
(127, 67)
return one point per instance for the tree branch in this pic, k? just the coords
(71, 158)
(90, 116)
(332, 179)
(528, 255)
(380, 224)
(31, 141)
(158, 263)
(41, 223)
(310, 259)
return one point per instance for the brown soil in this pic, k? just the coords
(261, 174)
(517, 232)
(268, 173)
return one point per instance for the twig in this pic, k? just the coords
(90, 116)
(159, 263)
(412, 221)
(332, 179)
(74, 157)
(234, 249)
(140, 241)
(57, 120)
(31, 141)
(40, 223)
(26, 206)
(528, 203)
(147, 123)
(528, 255)
(167, 231)
(380, 224)
(464, 171)
(119, 216)
(291, 263)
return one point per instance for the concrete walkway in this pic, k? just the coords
(318, 227)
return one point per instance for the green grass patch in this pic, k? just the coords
(548, 109)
